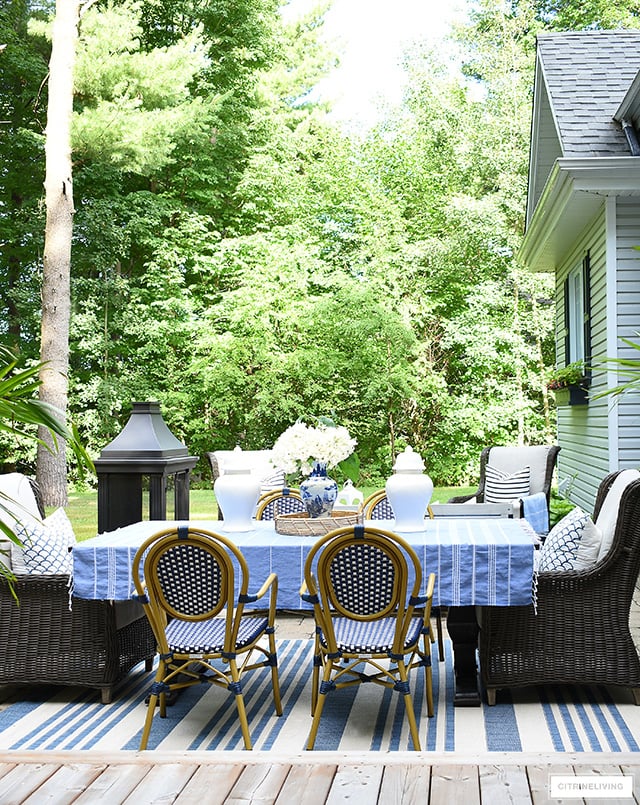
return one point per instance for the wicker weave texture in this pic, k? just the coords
(45, 643)
(580, 633)
(302, 525)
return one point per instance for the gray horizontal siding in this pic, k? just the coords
(628, 323)
(583, 430)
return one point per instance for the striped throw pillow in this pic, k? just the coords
(500, 487)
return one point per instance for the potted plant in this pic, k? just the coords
(568, 384)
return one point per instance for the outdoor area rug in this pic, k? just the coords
(361, 718)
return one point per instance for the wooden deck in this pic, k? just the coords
(314, 778)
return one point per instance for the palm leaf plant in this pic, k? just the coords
(21, 412)
(626, 369)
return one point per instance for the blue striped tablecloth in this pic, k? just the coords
(476, 561)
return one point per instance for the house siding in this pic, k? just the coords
(628, 324)
(583, 432)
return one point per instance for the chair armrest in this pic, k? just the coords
(464, 498)
(271, 581)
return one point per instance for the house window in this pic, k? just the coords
(577, 312)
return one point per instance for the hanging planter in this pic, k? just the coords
(568, 384)
(571, 395)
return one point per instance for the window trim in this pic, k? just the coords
(584, 271)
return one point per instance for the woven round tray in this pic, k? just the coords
(301, 525)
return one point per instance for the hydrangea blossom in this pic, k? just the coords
(301, 446)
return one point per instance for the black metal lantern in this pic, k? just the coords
(144, 448)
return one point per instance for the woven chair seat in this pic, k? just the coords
(374, 637)
(207, 637)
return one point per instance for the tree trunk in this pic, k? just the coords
(56, 284)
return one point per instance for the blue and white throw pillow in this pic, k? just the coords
(501, 487)
(46, 546)
(571, 544)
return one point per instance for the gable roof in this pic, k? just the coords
(586, 84)
(587, 75)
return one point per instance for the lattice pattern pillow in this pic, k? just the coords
(571, 544)
(500, 486)
(47, 546)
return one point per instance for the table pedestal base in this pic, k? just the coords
(463, 631)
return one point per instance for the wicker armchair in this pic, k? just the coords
(580, 634)
(541, 458)
(51, 639)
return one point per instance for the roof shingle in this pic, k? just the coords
(588, 74)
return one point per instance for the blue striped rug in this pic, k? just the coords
(361, 718)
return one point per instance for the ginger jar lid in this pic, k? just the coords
(237, 463)
(408, 461)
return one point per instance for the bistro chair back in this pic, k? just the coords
(365, 585)
(377, 507)
(186, 580)
(279, 501)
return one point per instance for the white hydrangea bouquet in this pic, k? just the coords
(301, 447)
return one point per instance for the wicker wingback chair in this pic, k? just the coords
(365, 587)
(46, 641)
(280, 501)
(580, 632)
(541, 458)
(186, 580)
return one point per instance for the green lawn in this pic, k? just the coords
(83, 507)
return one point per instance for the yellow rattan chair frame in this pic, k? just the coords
(273, 497)
(185, 579)
(341, 601)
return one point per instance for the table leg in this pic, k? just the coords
(463, 631)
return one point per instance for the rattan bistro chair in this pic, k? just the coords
(377, 507)
(280, 501)
(364, 584)
(185, 579)
(579, 632)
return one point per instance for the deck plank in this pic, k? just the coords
(115, 784)
(309, 784)
(455, 784)
(23, 780)
(539, 783)
(65, 785)
(599, 770)
(162, 784)
(358, 784)
(634, 771)
(258, 784)
(504, 784)
(407, 783)
(211, 783)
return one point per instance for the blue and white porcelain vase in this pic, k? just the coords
(318, 491)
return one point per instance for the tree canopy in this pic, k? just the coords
(240, 257)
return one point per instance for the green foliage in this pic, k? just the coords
(627, 369)
(244, 261)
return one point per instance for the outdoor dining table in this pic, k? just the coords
(477, 561)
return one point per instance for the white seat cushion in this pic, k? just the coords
(608, 514)
(17, 504)
(511, 458)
